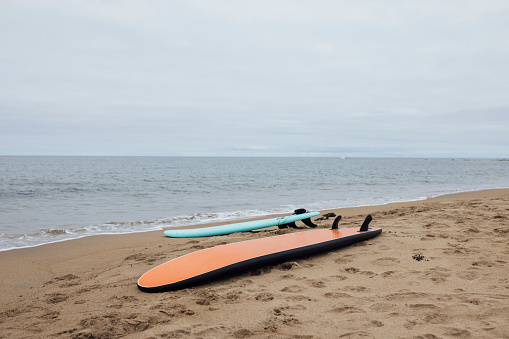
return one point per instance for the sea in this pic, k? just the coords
(45, 199)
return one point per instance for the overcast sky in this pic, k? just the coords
(255, 78)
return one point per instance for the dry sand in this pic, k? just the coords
(86, 288)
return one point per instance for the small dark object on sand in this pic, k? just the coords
(326, 216)
(418, 257)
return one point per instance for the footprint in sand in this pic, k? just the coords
(243, 333)
(437, 274)
(399, 296)
(422, 307)
(435, 317)
(377, 323)
(316, 283)
(388, 274)
(299, 297)
(293, 289)
(260, 271)
(266, 296)
(135, 325)
(233, 296)
(67, 277)
(207, 297)
(338, 277)
(428, 237)
(288, 276)
(343, 261)
(277, 320)
(55, 298)
(387, 261)
(174, 310)
(67, 280)
(336, 295)
(382, 307)
(287, 266)
(149, 260)
(111, 326)
(484, 263)
(356, 288)
(347, 310)
(50, 315)
(298, 307)
(458, 333)
(468, 275)
(352, 270)
(176, 334)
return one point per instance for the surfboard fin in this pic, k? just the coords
(292, 224)
(306, 222)
(336, 222)
(309, 223)
(365, 224)
(364, 227)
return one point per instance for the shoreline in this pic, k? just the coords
(208, 224)
(86, 287)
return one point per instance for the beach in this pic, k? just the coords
(438, 270)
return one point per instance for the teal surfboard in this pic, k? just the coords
(238, 227)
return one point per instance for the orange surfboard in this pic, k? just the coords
(208, 264)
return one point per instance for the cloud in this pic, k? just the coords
(283, 78)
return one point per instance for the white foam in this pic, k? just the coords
(47, 236)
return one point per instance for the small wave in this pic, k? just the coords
(54, 232)
(69, 232)
(50, 235)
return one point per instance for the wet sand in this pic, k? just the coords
(438, 270)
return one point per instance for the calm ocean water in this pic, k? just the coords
(48, 199)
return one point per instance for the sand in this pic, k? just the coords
(459, 288)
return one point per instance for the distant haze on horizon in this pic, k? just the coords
(258, 78)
